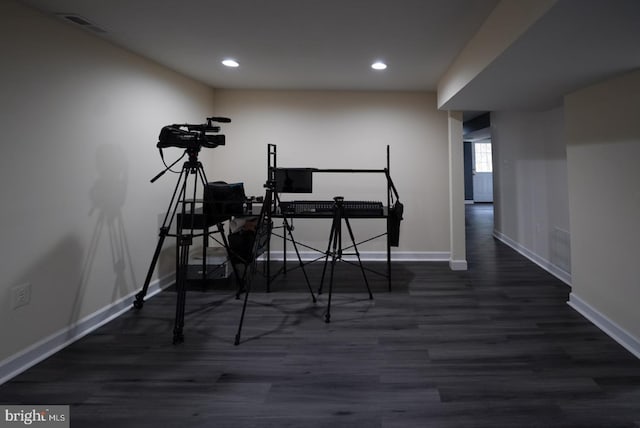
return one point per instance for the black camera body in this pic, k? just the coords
(193, 136)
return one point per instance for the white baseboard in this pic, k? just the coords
(458, 264)
(23, 360)
(370, 256)
(540, 261)
(613, 330)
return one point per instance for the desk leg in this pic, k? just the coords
(269, 257)
(205, 244)
(388, 262)
(284, 245)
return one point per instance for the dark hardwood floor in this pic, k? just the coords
(494, 346)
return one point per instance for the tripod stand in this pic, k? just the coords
(184, 234)
(334, 249)
(262, 243)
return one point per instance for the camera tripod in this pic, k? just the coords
(184, 234)
(334, 249)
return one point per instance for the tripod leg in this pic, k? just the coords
(335, 239)
(248, 274)
(225, 242)
(353, 241)
(284, 244)
(205, 226)
(268, 266)
(164, 232)
(184, 242)
(326, 257)
(388, 264)
(295, 247)
(205, 244)
(334, 258)
(252, 265)
(240, 280)
(181, 289)
(139, 301)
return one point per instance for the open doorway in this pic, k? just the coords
(482, 171)
(478, 171)
(478, 165)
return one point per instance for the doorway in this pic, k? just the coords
(482, 171)
(478, 171)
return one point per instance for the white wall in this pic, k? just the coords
(603, 148)
(345, 130)
(79, 219)
(530, 186)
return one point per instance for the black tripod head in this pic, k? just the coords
(193, 153)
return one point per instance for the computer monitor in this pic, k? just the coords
(294, 180)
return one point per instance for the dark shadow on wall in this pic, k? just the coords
(107, 195)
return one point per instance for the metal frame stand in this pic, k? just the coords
(262, 240)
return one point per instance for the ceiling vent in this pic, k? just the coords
(79, 21)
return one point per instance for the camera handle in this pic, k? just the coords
(161, 173)
(191, 164)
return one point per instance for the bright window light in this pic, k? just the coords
(483, 157)
(230, 63)
(378, 65)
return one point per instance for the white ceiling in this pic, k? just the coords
(575, 44)
(291, 44)
(330, 44)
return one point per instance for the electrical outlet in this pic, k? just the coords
(20, 295)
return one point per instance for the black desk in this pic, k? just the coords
(201, 221)
(350, 214)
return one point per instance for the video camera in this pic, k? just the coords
(193, 136)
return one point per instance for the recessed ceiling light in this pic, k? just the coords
(230, 63)
(378, 65)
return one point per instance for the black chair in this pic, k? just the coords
(224, 201)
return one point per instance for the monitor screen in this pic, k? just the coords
(294, 180)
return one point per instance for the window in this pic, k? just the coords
(482, 152)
